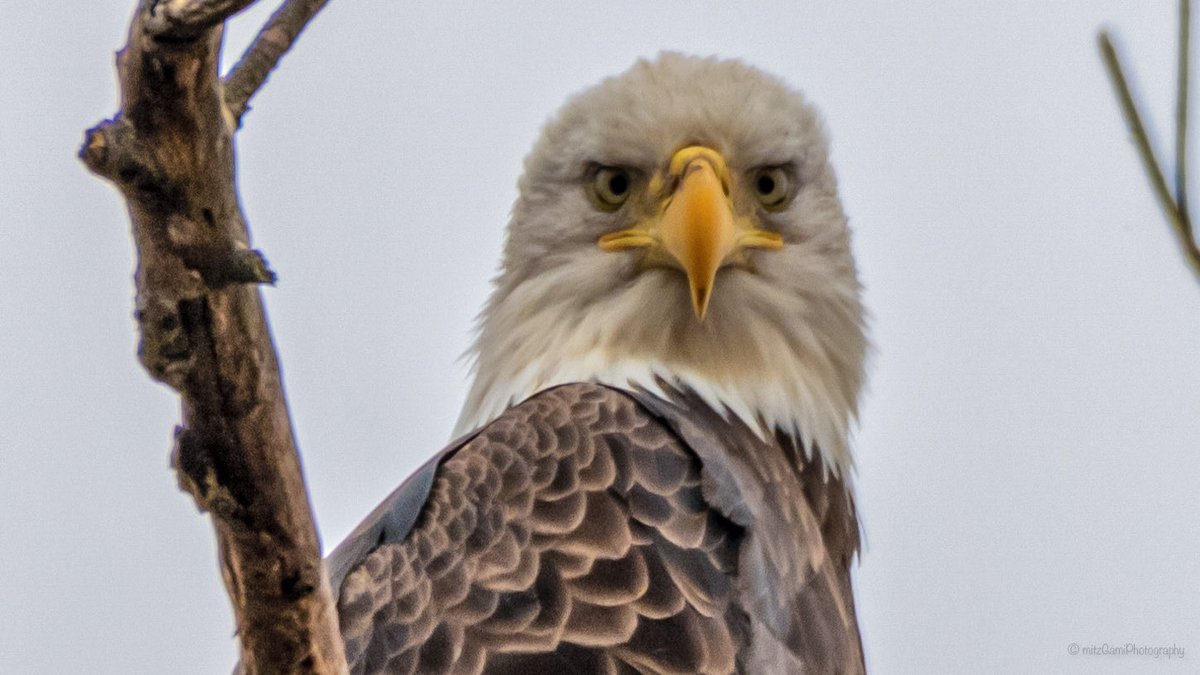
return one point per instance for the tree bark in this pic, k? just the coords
(170, 151)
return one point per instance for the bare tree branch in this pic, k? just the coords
(261, 57)
(170, 151)
(183, 19)
(1173, 204)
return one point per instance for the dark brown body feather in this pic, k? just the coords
(590, 530)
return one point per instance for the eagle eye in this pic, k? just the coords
(610, 187)
(772, 187)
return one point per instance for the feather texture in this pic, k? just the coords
(581, 532)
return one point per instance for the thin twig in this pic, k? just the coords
(1141, 139)
(261, 57)
(1181, 113)
(1158, 182)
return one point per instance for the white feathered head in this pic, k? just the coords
(681, 221)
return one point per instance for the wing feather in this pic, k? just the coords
(576, 533)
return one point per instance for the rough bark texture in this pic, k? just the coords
(170, 151)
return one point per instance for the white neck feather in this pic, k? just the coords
(770, 369)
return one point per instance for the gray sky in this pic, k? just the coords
(1028, 464)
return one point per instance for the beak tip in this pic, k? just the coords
(700, 298)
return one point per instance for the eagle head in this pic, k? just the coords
(680, 223)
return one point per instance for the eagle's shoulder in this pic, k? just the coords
(571, 532)
(581, 531)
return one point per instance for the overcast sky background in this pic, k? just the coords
(1028, 455)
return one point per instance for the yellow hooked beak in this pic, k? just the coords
(696, 227)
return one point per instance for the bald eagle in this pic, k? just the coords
(652, 473)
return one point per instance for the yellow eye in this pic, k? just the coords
(611, 187)
(772, 187)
